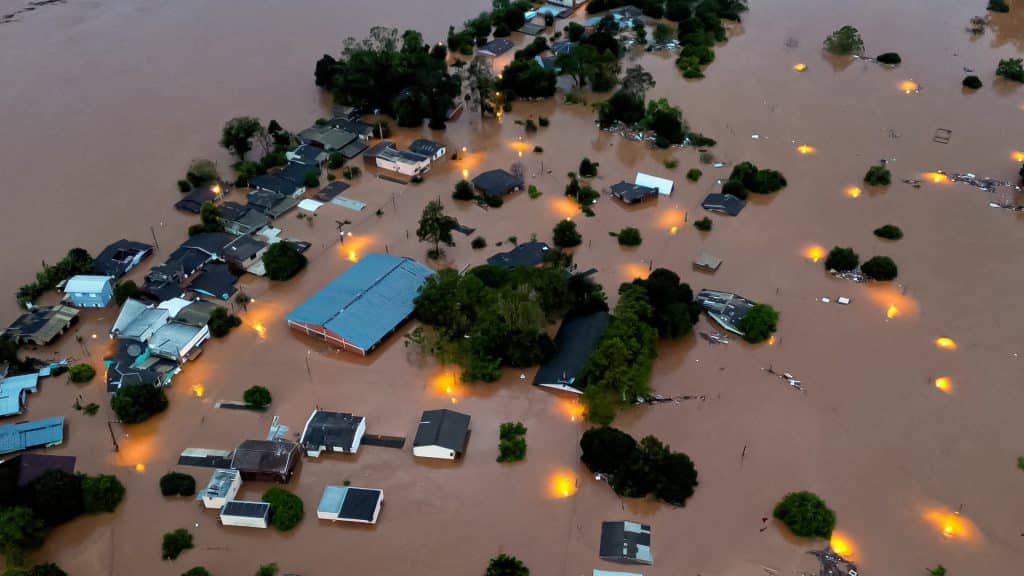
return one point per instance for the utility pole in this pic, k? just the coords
(155, 241)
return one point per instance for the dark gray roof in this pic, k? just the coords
(242, 219)
(725, 307)
(246, 509)
(497, 182)
(625, 541)
(526, 254)
(243, 248)
(377, 148)
(212, 243)
(216, 280)
(307, 155)
(29, 466)
(630, 193)
(41, 324)
(496, 47)
(332, 190)
(232, 211)
(274, 183)
(724, 203)
(445, 428)
(352, 126)
(194, 200)
(576, 338)
(123, 369)
(120, 257)
(295, 173)
(331, 429)
(267, 456)
(196, 314)
(360, 504)
(353, 149)
(562, 47)
(273, 204)
(425, 147)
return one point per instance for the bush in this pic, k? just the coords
(841, 259)
(285, 508)
(37, 570)
(759, 323)
(493, 201)
(202, 172)
(197, 571)
(889, 232)
(805, 514)
(478, 243)
(335, 161)
(880, 268)
(463, 191)
(101, 493)
(878, 176)
(282, 261)
(588, 169)
(889, 58)
(532, 192)
(757, 180)
(538, 150)
(972, 82)
(503, 564)
(566, 235)
(221, 322)
(257, 397)
(268, 569)
(311, 179)
(125, 290)
(998, 6)
(693, 174)
(91, 409)
(134, 404)
(735, 188)
(184, 186)
(845, 41)
(1011, 69)
(177, 484)
(629, 237)
(81, 373)
(351, 172)
(512, 442)
(175, 543)
(21, 530)
(543, 121)
(704, 224)
(939, 570)
(636, 469)
(671, 163)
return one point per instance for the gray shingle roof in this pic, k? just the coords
(445, 428)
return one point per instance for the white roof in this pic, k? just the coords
(86, 284)
(663, 185)
(174, 305)
(11, 390)
(310, 205)
(130, 310)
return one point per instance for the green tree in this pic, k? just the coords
(125, 290)
(511, 442)
(621, 107)
(735, 188)
(673, 310)
(56, 497)
(20, 530)
(436, 227)
(336, 160)
(528, 79)
(605, 450)
(285, 508)
(704, 224)
(238, 133)
(505, 565)
(676, 479)
(997, 6)
(197, 571)
(878, 176)
(880, 268)
(1011, 69)
(267, 570)
(311, 179)
(176, 542)
(972, 82)
(841, 259)
(202, 172)
(481, 84)
(588, 169)
(101, 493)
(805, 514)
(581, 63)
(845, 41)
(177, 484)
(889, 232)
(665, 120)
(463, 191)
(81, 373)
(629, 236)
(693, 174)
(221, 322)
(759, 323)
(637, 81)
(574, 31)
(939, 570)
(257, 397)
(136, 403)
(282, 261)
(663, 33)
(566, 235)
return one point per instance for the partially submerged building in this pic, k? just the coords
(244, 252)
(271, 203)
(530, 254)
(216, 281)
(574, 342)
(222, 487)
(245, 513)
(88, 291)
(19, 471)
(25, 435)
(14, 390)
(194, 200)
(241, 219)
(441, 434)
(707, 263)
(120, 257)
(662, 185)
(333, 431)
(723, 204)
(725, 308)
(495, 47)
(433, 150)
(626, 542)
(402, 161)
(497, 182)
(307, 155)
(178, 342)
(276, 184)
(266, 460)
(632, 193)
(350, 504)
(366, 303)
(134, 365)
(41, 325)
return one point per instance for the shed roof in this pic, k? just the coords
(15, 437)
(446, 428)
(366, 302)
(496, 47)
(497, 182)
(525, 254)
(575, 340)
(350, 502)
(629, 192)
(41, 324)
(246, 509)
(707, 262)
(425, 147)
(271, 456)
(220, 483)
(13, 390)
(332, 429)
(87, 284)
(626, 541)
(724, 203)
(662, 185)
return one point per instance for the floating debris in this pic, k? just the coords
(715, 337)
(986, 184)
(853, 275)
(832, 564)
(789, 378)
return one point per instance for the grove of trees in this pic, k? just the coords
(805, 514)
(636, 469)
(282, 261)
(136, 403)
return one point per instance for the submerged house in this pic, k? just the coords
(402, 161)
(725, 308)
(370, 156)
(194, 200)
(441, 434)
(366, 303)
(87, 291)
(662, 185)
(267, 460)
(276, 184)
(222, 487)
(14, 390)
(574, 342)
(178, 342)
(41, 325)
(497, 182)
(307, 155)
(216, 281)
(25, 435)
(333, 431)
(632, 193)
(350, 504)
(243, 252)
(134, 365)
(165, 281)
(120, 257)
(626, 542)
(723, 204)
(271, 203)
(245, 513)
(495, 47)
(433, 150)
(19, 471)
(241, 220)
(530, 254)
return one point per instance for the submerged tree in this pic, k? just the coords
(806, 514)
(481, 84)
(238, 133)
(436, 227)
(505, 565)
(845, 41)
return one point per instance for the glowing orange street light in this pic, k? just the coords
(198, 390)
(260, 329)
(1018, 156)
(814, 252)
(936, 177)
(908, 86)
(805, 149)
(944, 384)
(465, 174)
(945, 343)
(140, 468)
(673, 230)
(892, 312)
(853, 192)
(800, 67)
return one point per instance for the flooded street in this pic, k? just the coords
(104, 104)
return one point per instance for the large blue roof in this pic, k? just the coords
(15, 437)
(366, 302)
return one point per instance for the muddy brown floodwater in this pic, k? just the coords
(104, 103)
